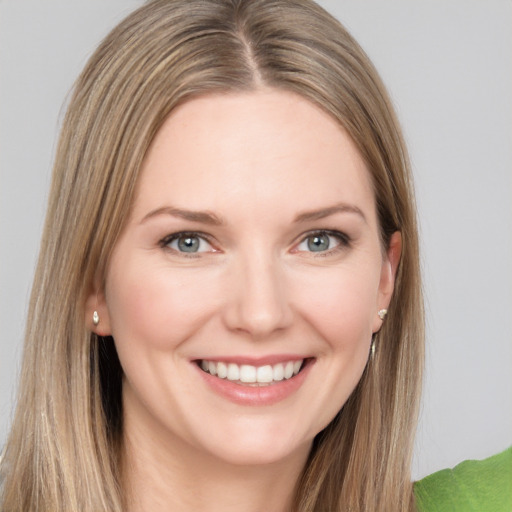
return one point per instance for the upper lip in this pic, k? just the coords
(255, 361)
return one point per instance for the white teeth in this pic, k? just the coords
(288, 370)
(278, 371)
(265, 374)
(249, 374)
(222, 370)
(233, 372)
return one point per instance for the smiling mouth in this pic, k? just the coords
(249, 375)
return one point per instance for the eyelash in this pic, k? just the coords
(164, 243)
(343, 239)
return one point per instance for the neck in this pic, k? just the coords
(165, 473)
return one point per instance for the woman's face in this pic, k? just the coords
(252, 253)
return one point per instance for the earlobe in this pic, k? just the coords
(97, 318)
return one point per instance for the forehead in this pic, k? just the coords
(253, 150)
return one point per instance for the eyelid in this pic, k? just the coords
(166, 240)
(343, 239)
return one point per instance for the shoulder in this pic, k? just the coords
(472, 486)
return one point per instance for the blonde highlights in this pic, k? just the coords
(64, 446)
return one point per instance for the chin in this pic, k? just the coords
(256, 454)
(253, 443)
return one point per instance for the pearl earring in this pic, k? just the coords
(382, 313)
(95, 318)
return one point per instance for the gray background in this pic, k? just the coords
(448, 65)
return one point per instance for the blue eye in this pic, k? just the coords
(322, 241)
(187, 243)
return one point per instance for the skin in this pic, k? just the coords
(256, 161)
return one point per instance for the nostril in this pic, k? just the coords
(257, 301)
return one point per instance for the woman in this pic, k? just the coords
(151, 248)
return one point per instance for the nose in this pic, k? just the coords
(257, 301)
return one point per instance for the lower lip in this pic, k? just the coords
(256, 395)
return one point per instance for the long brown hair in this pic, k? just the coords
(62, 453)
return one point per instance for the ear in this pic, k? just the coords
(96, 301)
(387, 276)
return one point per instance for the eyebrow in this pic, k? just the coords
(209, 218)
(327, 212)
(203, 217)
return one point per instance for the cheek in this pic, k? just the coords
(340, 304)
(156, 307)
